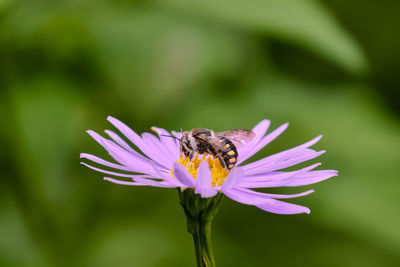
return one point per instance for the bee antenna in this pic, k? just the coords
(170, 136)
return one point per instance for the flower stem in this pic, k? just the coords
(199, 213)
(203, 245)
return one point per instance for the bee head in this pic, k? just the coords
(185, 144)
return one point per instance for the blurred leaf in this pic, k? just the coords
(45, 113)
(122, 244)
(153, 57)
(4, 4)
(16, 245)
(303, 22)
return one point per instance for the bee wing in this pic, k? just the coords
(238, 137)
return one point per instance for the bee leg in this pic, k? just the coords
(191, 155)
(222, 162)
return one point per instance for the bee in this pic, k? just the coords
(221, 145)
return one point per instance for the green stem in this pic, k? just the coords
(203, 245)
(200, 213)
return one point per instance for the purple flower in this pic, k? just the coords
(162, 165)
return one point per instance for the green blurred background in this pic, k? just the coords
(327, 67)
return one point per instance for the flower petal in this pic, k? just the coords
(165, 176)
(123, 144)
(266, 201)
(263, 142)
(233, 178)
(284, 155)
(183, 175)
(103, 162)
(273, 166)
(259, 130)
(265, 195)
(269, 179)
(290, 152)
(125, 130)
(135, 164)
(310, 178)
(280, 207)
(163, 155)
(137, 141)
(245, 196)
(108, 172)
(168, 141)
(204, 180)
(140, 182)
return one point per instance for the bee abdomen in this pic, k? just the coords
(229, 153)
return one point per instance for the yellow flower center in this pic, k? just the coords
(218, 173)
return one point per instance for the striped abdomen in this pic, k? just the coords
(226, 153)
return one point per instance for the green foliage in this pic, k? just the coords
(306, 23)
(66, 65)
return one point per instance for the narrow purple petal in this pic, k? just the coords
(115, 150)
(245, 196)
(108, 172)
(273, 166)
(263, 142)
(280, 207)
(305, 193)
(204, 180)
(233, 179)
(139, 183)
(103, 162)
(183, 175)
(123, 144)
(137, 141)
(259, 130)
(146, 181)
(166, 176)
(269, 138)
(268, 179)
(287, 154)
(265, 202)
(262, 196)
(297, 180)
(128, 132)
(163, 155)
(168, 141)
(134, 163)
(311, 178)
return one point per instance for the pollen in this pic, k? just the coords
(218, 173)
